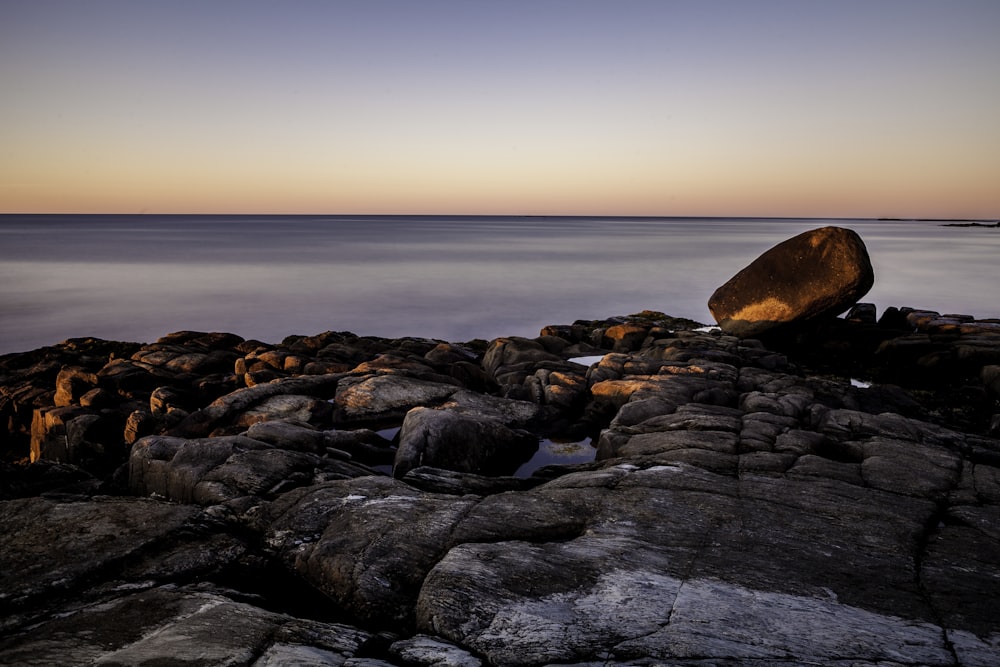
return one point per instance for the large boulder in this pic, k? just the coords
(820, 272)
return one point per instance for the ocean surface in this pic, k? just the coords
(453, 278)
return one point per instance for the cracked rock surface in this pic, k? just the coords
(741, 509)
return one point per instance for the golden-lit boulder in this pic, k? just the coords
(822, 272)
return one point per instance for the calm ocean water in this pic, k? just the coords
(454, 278)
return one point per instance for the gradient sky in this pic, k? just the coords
(626, 107)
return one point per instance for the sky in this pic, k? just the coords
(800, 108)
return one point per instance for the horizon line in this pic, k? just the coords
(512, 215)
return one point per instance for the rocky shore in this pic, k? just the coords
(348, 500)
(789, 488)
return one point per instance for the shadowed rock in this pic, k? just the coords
(460, 441)
(820, 272)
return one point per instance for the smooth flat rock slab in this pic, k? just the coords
(179, 626)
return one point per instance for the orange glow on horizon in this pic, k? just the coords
(874, 110)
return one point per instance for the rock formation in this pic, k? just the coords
(742, 508)
(815, 274)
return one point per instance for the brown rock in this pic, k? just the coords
(49, 435)
(625, 337)
(72, 383)
(819, 272)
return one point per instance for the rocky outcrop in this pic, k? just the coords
(741, 509)
(817, 273)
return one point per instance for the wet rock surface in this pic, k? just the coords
(346, 500)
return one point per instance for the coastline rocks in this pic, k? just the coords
(817, 273)
(785, 461)
(743, 508)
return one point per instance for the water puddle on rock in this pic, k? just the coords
(586, 361)
(558, 452)
(389, 433)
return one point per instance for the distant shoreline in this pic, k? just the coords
(948, 222)
(988, 225)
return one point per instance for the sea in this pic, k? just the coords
(453, 278)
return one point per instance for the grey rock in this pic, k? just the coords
(437, 480)
(715, 620)
(658, 442)
(818, 466)
(164, 399)
(461, 442)
(208, 471)
(618, 584)
(567, 609)
(432, 652)
(289, 407)
(909, 468)
(386, 397)
(366, 543)
(294, 435)
(133, 379)
(511, 355)
(800, 442)
(223, 411)
(168, 625)
(738, 513)
(510, 412)
(109, 532)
